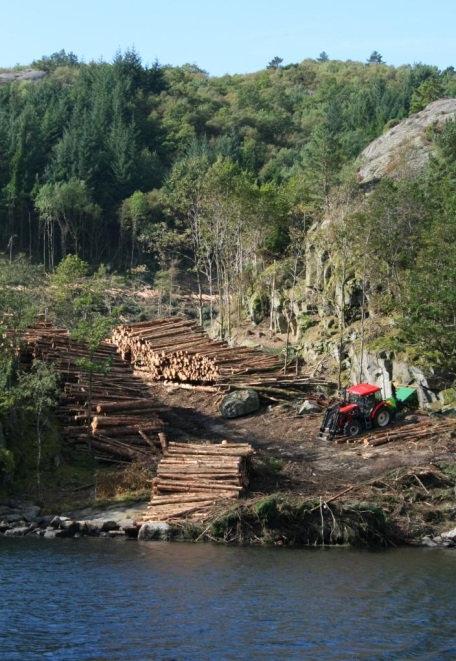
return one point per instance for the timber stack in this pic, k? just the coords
(425, 429)
(107, 408)
(178, 350)
(192, 478)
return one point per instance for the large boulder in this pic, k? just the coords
(153, 531)
(239, 402)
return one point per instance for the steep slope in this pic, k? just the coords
(402, 153)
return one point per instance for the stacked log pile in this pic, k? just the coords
(191, 478)
(178, 350)
(121, 420)
(424, 429)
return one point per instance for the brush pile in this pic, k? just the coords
(191, 478)
(106, 408)
(178, 350)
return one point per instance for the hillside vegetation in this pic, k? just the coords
(168, 167)
(236, 183)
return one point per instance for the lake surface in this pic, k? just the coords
(105, 599)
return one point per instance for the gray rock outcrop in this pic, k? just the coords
(384, 369)
(25, 74)
(405, 148)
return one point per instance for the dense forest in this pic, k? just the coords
(125, 165)
(97, 158)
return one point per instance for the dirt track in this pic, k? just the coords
(307, 466)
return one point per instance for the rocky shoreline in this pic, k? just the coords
(26, 519)
(23, 519)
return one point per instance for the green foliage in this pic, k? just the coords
(69, 271)
(58, 59)
(68, 205)
(36, 389)
(430, 306)
(275, 63)
(36, 392)
(127, 164)
(79, 298)
(402, 245)
(77, 146)
(19, 297)
(277, 519)
(430, 89)
(375, 58)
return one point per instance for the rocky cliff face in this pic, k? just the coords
(402, 151)
(405, 149)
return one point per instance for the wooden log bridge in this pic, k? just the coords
(192, 478)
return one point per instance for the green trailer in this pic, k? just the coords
(403, 397)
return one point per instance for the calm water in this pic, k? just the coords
(105, 599)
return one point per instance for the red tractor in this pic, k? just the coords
(361, 409)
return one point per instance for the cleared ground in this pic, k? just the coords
(288, 454)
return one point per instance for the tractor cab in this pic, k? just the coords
(362, 407)
(364, 395)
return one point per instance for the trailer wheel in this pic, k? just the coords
(352, 428)
(383, 418)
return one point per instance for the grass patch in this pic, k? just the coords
(293, 521)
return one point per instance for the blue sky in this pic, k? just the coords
(234, 36)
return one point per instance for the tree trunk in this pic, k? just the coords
(341, 322)
(200, 297)
(39, 450)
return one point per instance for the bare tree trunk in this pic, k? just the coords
(200, 297)
(89, 402)
(341, 322)
(30, 234)
(39, 450)
(170, 293)
(361, 356)
(271, 306)
(228, 302)
(220, 297)
(290, 312)
(63, 238)
(211, 291)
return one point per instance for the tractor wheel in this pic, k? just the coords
(383, 418)
(352, 428)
